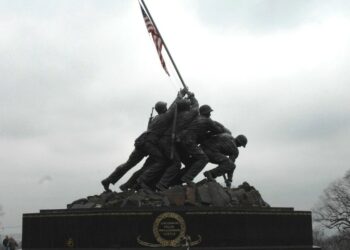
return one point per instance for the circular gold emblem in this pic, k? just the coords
(169, 228)
(70, 243)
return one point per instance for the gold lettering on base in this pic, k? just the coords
(169, 230)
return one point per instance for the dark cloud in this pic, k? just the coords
(266, 15)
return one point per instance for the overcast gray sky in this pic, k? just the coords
(79, 78)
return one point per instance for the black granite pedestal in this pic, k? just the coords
(164, 228)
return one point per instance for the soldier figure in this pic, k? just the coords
(217, 148)
(187, 112)
(167, 144)
(190, 137)
(147, 142)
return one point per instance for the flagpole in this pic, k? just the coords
(166, 48)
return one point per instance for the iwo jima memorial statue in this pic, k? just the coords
(160, 206)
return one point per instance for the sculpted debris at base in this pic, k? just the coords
(203, 194)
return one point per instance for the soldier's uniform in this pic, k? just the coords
(156, 129)
(131, 183)
(184, 118)
(135, 157)
(189, 139)
(165, 173)
(146, 144)
(221, 149)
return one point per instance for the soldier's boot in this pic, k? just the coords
(209, 176)
(135, 187)
(222, 169)
(195, 169)
(105, 183)
(190, 183)
(114, 177)
(161, 187)
(124, 187)
(144, 186)
(228, 183)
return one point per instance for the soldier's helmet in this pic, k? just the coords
(205, 109)
(242, 140)
(160, 107)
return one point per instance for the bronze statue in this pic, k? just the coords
(182, 134)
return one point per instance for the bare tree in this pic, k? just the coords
(333, 209)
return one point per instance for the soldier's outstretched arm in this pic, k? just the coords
(184, 91)
(169, 114)
(180, 96)
(214, 128)
(193, 100)
(222, 127)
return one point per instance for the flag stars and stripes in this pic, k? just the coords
(156, 38)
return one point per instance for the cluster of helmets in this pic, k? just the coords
(161, 107)
(184, 104)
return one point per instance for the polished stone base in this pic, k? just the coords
(198, 248)
(163, 228)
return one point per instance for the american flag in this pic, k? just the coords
(158, 42)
